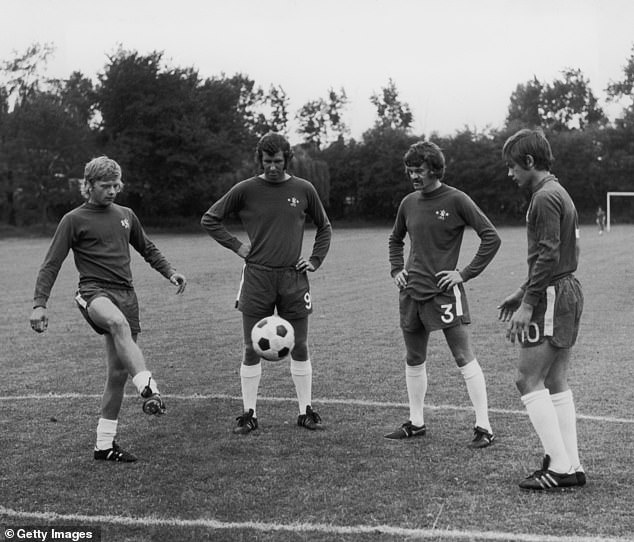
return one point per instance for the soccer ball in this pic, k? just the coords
(273, 338)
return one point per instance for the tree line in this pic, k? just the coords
(182, 141)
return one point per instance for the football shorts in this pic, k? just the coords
(124, 299)
(263, 289)
(556, 316)
(447, 309)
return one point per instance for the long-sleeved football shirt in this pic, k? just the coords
(273, 215)
(100, 238)
(435, 223)
(552, 229)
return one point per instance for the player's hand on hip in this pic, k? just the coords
(400, 279)
(304, 265)
(519, 323)
(180, 281)
(39, 319)
(244, 250)
(448, 279)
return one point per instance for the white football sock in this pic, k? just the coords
(142, 379)
(250, 376)
(567, 417)
(543, 416)
(477, 390)
(106, 432)
(416, 381)
(302, 375)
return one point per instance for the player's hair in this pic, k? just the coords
(528, 142)
(428, 153)
(101, 168)
(272, 143)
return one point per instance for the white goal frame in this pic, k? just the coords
(609, 196)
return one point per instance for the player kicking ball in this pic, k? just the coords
(100, 233)
(273, 207)
(544, 313)
(431, 291)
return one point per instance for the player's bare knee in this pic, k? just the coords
(118, 325)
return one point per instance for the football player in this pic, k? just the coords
(431, 291)
(100, 233)
(273, 207)
(544, 312)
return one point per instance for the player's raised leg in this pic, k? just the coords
(105, 314)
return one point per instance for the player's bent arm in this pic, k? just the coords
(213, 225)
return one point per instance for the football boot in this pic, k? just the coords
(407, 430)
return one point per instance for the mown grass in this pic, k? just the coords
(193, 468)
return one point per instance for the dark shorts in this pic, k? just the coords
(556, 317)
(445, 310)
(124, 299)
(263, 289)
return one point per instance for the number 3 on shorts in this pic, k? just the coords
(448, 316)
(307, 301)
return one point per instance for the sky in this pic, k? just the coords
(454, 62)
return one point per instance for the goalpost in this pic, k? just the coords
(609, 197)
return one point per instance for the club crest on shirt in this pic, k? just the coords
(442, 214)
(293, 201)
(125, 223)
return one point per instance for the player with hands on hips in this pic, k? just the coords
(543, 315)
(431, 291)
(100, 233)
(272, 207)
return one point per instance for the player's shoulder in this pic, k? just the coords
(246, 184)
(300, 181)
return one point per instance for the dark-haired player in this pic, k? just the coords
(100, 233)
(431, 292)
(544, 313)
(273, 207)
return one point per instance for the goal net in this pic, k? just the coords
(609, 206)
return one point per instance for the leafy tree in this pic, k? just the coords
(392, 112)
(525, 103)
(564, 104)
(569, 103)
(346, 169)
(624, 88)
(382, 183)
(320, 120)
(269, 112)
(23, 72)
(43, 136)
(174, 135)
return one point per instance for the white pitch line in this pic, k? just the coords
(325, 401)
(323, 528)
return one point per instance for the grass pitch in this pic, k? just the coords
(195, 480)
